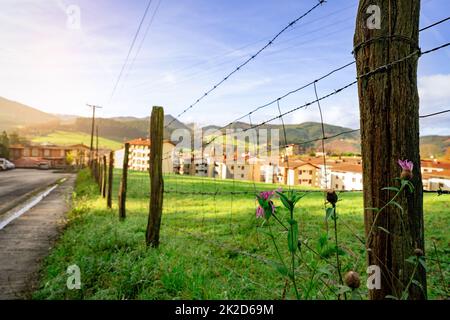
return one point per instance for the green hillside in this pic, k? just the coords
(15, 115)
(65, 129)
(71, 138)
(435, 146)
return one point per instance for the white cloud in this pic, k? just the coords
(434, 91)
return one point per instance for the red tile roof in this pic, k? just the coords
(144, 142)
(139, 142)
(346, 167)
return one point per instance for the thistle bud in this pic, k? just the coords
(332, 197)
(352, 280)
(406, 175)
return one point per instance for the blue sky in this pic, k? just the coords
(191, 45)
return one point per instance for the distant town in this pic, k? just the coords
(290, 168)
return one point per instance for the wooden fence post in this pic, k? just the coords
(99, 172)
(123, 183)
(94, 169)
(389, 111)
(156, 178)
(100, 175)
(105, 177)
(110, 179)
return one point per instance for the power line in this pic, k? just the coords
(217, 68)
(248, 60)
(226, 62)
(144, 37)
(130, 50)
(325, 76)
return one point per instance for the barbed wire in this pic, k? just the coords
(321, 78)
(327, 137)
(292, 23)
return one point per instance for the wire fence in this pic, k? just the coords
(219, 213)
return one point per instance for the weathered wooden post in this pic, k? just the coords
(100, 175)
(94, 169)
(110, 180)
(105, 177)
(156, 176)
(387, 31)
(123, 183)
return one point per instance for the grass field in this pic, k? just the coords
(65, 138)
(212, 246)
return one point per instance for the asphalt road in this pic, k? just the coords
(18, 182)
(27, 240)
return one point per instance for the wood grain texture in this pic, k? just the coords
(110, 180)
(123, 184)
(156, 176)
(389, 111)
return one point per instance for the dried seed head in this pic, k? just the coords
(352, 280)
(332, 197)
(406, 175)
(418, 252)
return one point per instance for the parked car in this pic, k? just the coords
(3, 165)
(43, 165)
(10, 165)
(6, 165)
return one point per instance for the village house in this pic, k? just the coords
(346, 177)
(435, 175)
(303, 174)
(245, 168)
(53, 156)
(139, 156)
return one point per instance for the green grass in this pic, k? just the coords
(70, 138)
(211, 245)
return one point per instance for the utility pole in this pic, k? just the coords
(96, 159)
(92, 130)
(96, 144)
(388, 31)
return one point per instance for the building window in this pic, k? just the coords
(34, 152)
(337, 187)
(242, 176)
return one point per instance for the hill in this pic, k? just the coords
(304, 132)
(15, 115)
(71, 138)
(436, 146)
(41, 126)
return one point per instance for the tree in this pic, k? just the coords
(389, 110)
(70, 158)
(4, 145)
(14, 138)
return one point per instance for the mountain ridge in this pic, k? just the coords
(34, 123)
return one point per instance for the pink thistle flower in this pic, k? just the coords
(259, 212)
(406, 164)
(407, 167)
(265, 204)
